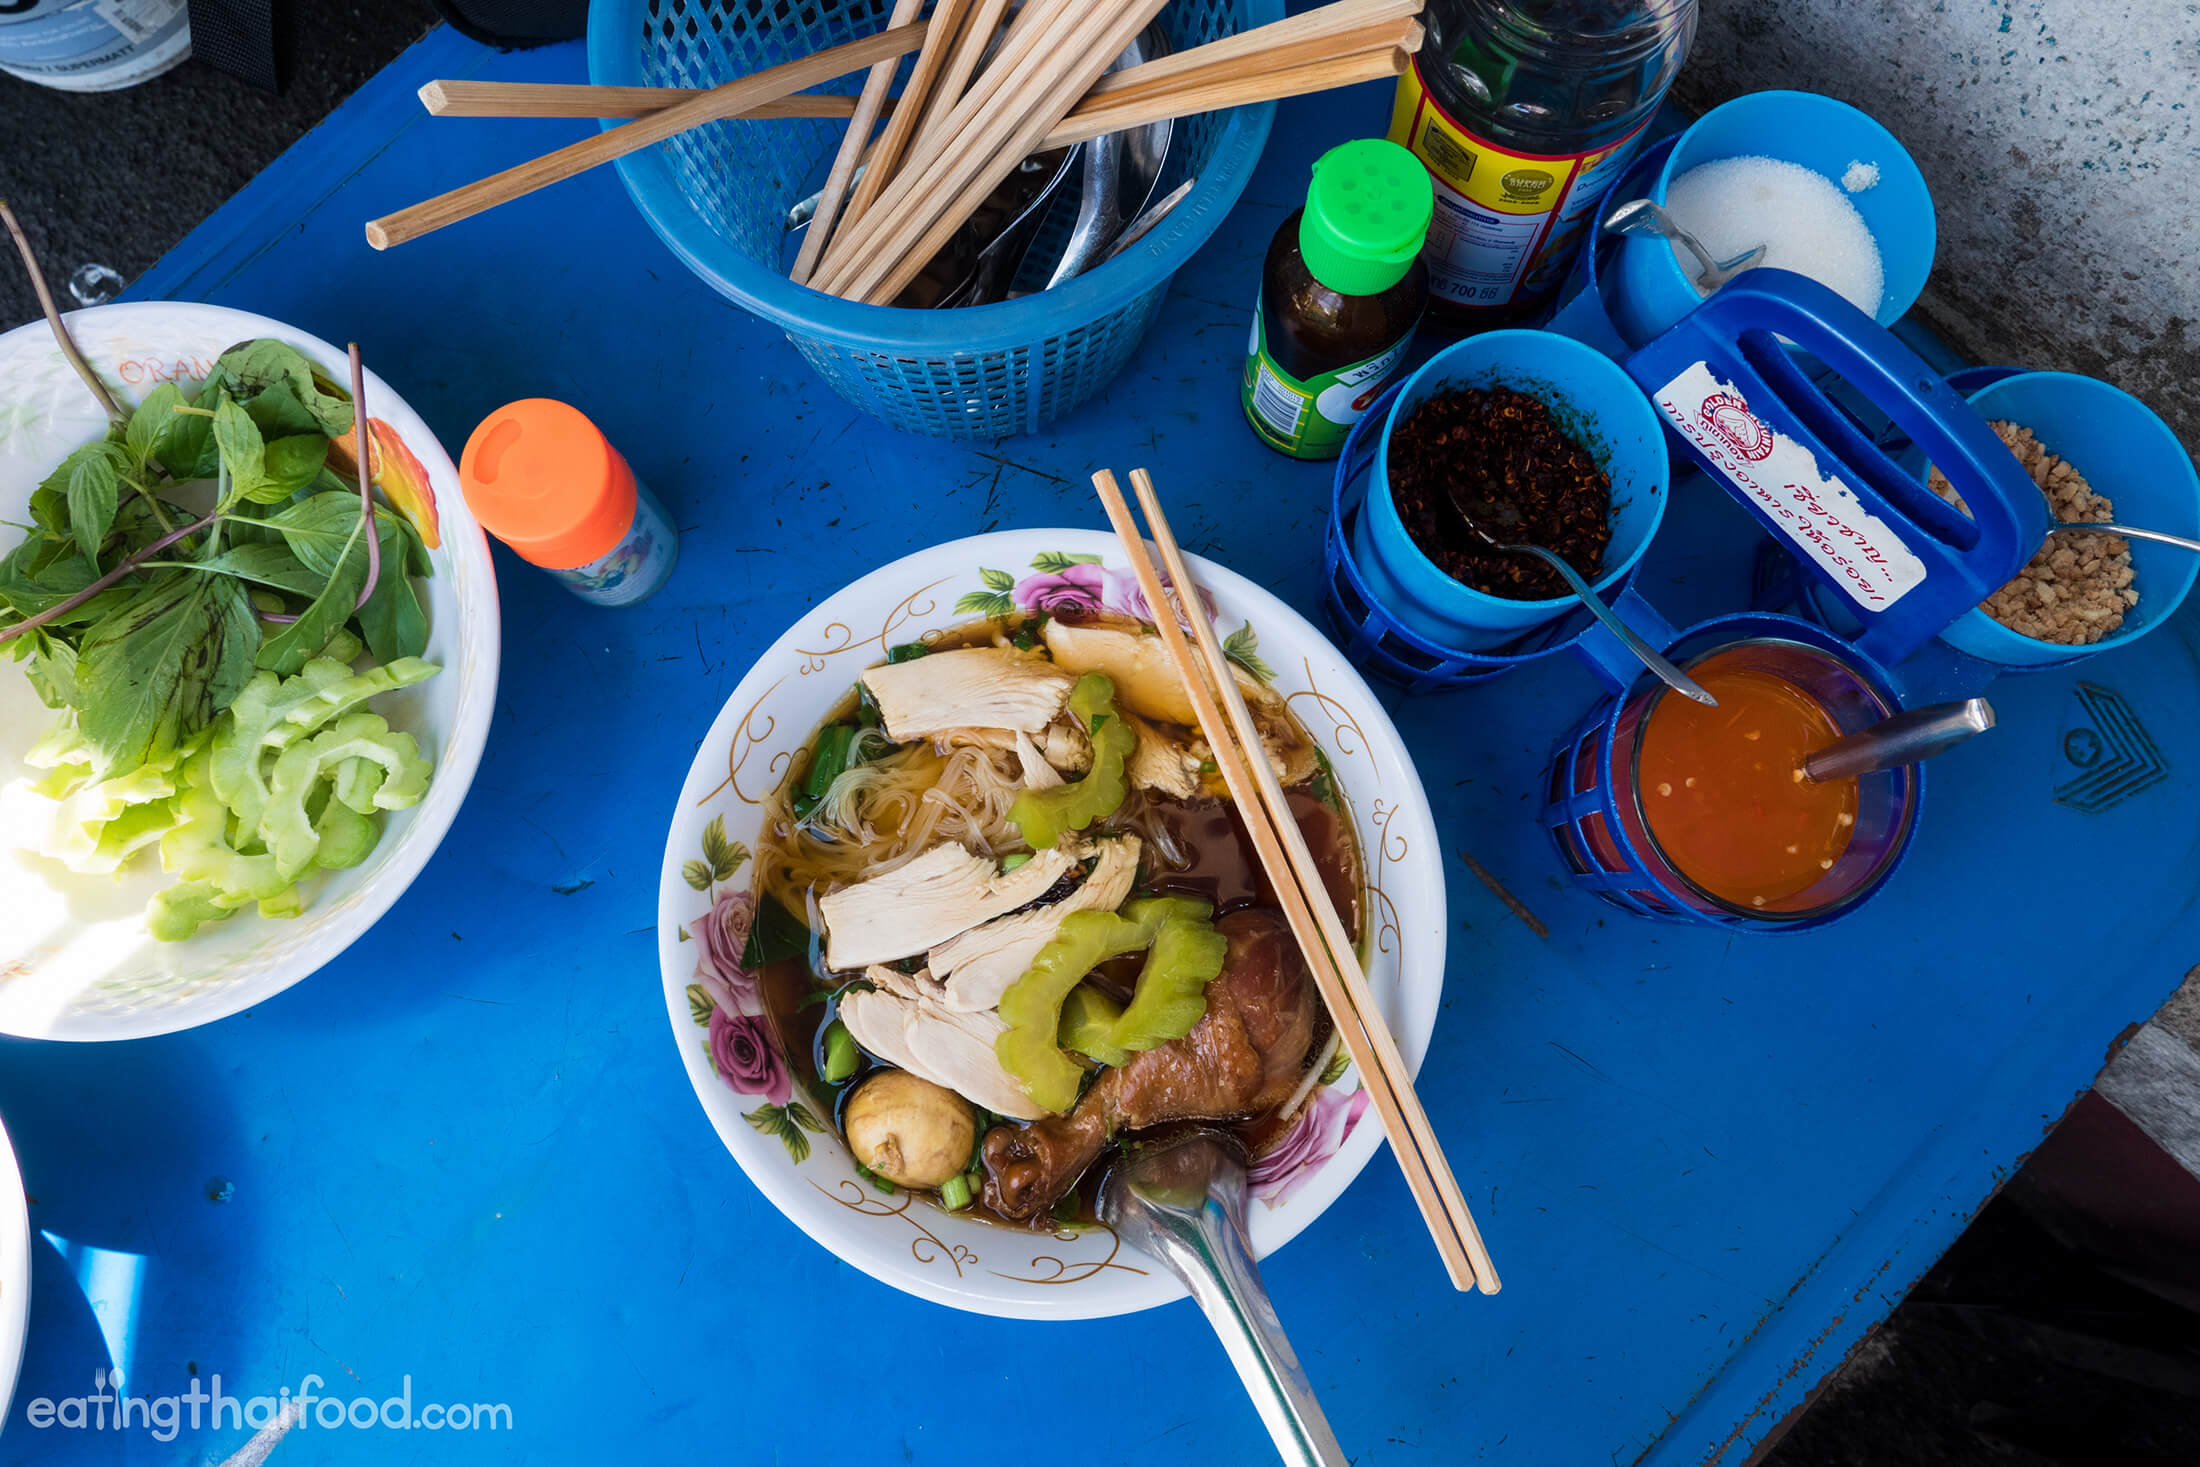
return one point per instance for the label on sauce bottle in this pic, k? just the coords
(1311, 418)
(1507, 224)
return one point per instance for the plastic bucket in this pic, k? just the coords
(93, 45)
(1651, 293)
(1595, 402)
(718, 197)
(2124, 451)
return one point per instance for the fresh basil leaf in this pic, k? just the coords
(93, 488)
(136, 523)
(213, 385)
(78, 498)
(50, 509)
(259, 364)
(317, 527)
(243, 451)
(262, 366)
(186, 448)
(278, 413)
(31, 583)
(147, 424)
(286, 651)
(52, 669)
(57, 482)
(393, 620)
(292, 463)
(158, 669)
(268, 563)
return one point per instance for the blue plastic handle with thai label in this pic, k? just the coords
(1736, 401)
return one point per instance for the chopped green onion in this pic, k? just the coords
(955, 1193)
(907, 652)
(828, 757)
(1011, 861)
(840, 1054)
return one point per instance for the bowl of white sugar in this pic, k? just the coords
(1825, 189)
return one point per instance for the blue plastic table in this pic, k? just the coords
(464, 1153)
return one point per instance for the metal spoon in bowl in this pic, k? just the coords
(1182, 1200)
(1905, 738)
(1479, 515)
(2103, 527)
(1646, 216)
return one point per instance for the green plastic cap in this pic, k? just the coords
(1367, 212)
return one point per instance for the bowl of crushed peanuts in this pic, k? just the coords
(2097, 454)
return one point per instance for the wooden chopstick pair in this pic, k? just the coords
(1365, 39)
(1321, 935)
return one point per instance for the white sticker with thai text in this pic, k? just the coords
(1782, 478)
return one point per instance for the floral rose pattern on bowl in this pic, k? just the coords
(714, 936)
(1069, 584)
(743, 1049)
(1321, 1126)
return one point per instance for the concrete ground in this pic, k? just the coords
(120, 177)
(2060, 139)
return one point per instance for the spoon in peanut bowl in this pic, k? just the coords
(1181, 1200)
(1484, 516)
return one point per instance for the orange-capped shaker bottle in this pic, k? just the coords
(544, 480)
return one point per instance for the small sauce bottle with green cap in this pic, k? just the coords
(1340, 296)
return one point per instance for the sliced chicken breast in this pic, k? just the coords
(969, 687)
(978, 966)
(900, 1023)
(928, 900)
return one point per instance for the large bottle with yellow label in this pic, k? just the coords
(1525, 111)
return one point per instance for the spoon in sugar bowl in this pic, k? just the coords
(1479, 514)
(1646, 216)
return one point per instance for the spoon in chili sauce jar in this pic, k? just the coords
(1906, 738)
(1483, 516)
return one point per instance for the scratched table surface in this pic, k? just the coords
(463, 1155)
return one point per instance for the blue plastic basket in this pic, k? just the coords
(718, 196)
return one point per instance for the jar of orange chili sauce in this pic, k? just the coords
(1689, 813)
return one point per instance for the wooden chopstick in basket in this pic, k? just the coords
(1263, 50)
(1335, 45)
(1329, 952)
(730, 100)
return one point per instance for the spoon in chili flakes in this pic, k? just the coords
(1484, 518)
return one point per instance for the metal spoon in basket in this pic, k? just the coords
(1645, 216)
(1483, 517)
(1182, 1200)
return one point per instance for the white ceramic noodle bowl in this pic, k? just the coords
(795, 1159)
(75, 961)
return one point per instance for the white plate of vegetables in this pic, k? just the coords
(231, 729)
